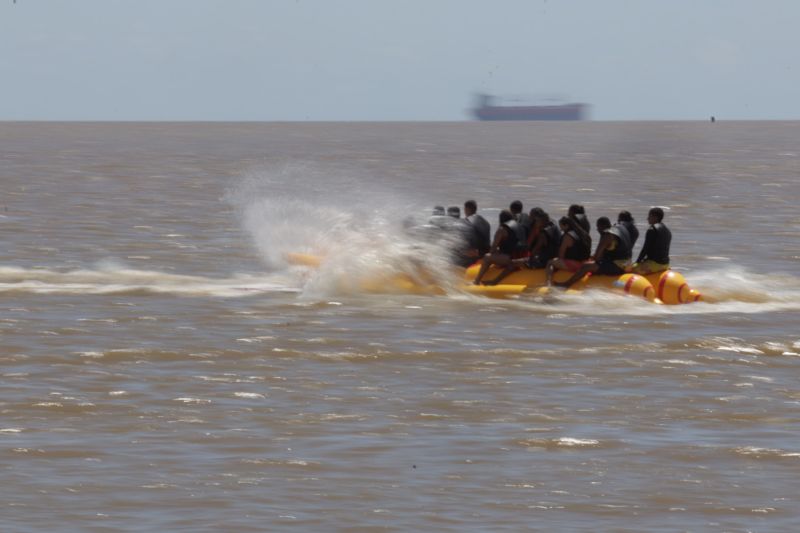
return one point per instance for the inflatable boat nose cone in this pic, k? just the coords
(636, 285)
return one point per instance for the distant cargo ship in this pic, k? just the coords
(487, 110)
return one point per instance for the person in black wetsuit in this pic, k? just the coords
(624, 218)
(503, 246)
(654, 256)
(613, 254)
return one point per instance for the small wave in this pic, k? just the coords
(765, 453)
(192, 401)
(571, 441)
(562, 442)
(249, 395)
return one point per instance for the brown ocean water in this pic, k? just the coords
(163, 369)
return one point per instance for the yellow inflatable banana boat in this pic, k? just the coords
(668, 287)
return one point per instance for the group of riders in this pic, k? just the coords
(534, 240)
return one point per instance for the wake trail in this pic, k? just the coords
(122, 280)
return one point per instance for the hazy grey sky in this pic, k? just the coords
(395, 59)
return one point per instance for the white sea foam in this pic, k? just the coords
(115, 278)
(249, 395)
(571, 441)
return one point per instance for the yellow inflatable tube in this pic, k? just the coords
(668, 287)
(403, 283)
(632, 284)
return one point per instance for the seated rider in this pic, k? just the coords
(578, 214)
(624, 218)
(460, 238)
(544, 246)
(446, 230)
(480, 241)
(654, 256)
(504, 244)
(548, 238)
(613, 254)
(521, 225)
(438, 218)
(533, 231)
(573, 251)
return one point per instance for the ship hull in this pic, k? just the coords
(556, 112)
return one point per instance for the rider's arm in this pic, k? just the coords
(499, 237)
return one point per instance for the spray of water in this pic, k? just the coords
(362, 234)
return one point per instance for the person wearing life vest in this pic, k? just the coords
(447, 230)
(548, 239)
(504, 244)
(459, 234)
(533, 231)
(654, 256)
(612, 256)
(578, 214)
(438, 218)
(516, 209)
(574, 250)
(522, 225)
(624, 218)
(544, 246)
(480, 240)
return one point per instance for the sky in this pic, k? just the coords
(389, 60)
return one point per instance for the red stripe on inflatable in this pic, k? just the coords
(661, 282)
(680, 290)
(628, 284)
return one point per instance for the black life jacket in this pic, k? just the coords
(509, 244)
(632, 231)
(520, 232)
(482, 239)
(525, 221)
(553, 236)
(659, 251)
(623, 249)
(583, 222)
(579, 251)
(581, 219)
